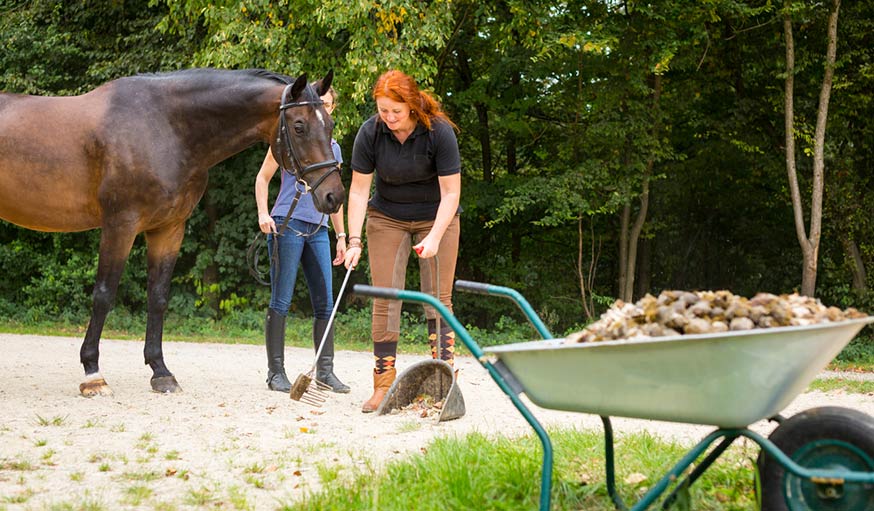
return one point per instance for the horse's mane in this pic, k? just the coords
(208, 72)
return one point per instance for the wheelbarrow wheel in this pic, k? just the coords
(828, 438)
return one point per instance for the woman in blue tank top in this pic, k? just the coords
(305, 243)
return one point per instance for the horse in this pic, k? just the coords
(132, 156)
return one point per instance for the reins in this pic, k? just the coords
(286, 152)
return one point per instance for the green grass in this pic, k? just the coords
(843, 384)
(480, 472)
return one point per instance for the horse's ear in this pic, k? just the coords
(322, 86)
(298, 86)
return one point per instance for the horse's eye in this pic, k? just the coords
(298, 128)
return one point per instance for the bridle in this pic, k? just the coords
(286, 152)
(286, 148)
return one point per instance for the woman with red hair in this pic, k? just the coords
(411, 148)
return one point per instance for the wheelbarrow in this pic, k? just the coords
(821, 459)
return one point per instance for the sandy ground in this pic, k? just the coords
(226, 442)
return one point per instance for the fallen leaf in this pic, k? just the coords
(635, 478)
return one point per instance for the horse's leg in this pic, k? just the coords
(115, 246)
(163, 248)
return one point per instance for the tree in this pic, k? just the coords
(809, 240)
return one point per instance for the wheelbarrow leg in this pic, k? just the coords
(609, 465)
(699, 469)
(507, 382)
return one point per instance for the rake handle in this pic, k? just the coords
(331, 319)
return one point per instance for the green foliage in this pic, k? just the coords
(505, 473)
(558, 128)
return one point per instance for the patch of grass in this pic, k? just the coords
(47, 457)
(171, 455)
(504, 474)
(18, 498)
(40, 442)
(135, 495)
(254, 468)
(409, 426)
(237, 497)
(118, 428)
(843, 384)
(200, 496)
(20, 465)
(86, 504)
(104, 467)
(328, 473)
(77, 477)
(57, 420)
(149, 475)
(91, 423)
(257, 482)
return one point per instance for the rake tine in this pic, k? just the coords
(306, 387)
(313, 400)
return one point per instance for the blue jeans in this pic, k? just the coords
(312, 252)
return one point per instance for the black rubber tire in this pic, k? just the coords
(795, 437)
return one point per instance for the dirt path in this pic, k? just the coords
(226, 442)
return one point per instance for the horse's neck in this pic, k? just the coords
(224, 122)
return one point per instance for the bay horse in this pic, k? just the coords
(132, 155)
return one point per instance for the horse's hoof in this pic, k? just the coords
(94, 385)
(165, 385)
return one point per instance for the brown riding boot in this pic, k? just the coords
(381, 384)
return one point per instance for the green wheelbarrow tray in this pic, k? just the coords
(729, 380)
(434, 378)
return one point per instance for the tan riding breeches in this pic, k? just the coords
(389, 244)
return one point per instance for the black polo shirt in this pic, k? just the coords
(406, 174)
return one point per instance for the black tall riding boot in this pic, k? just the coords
(274, 337)
(325, 363)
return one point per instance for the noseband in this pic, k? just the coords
(286, 153)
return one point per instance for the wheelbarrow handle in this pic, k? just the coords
(477, 352)
(416, 296)
(473, 287)
(388, 293)
(512, 294)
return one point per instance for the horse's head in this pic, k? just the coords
(303, 142)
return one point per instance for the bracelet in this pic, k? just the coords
(340, 235)
(355, 242)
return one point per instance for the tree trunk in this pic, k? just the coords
(630, 240)
(809, 241)
(586, 272)
(857, 264)
(624, 220)
(643, 280)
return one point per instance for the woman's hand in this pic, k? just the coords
(353, 253)
(266, 223)
(340, 258)
(427, 248)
